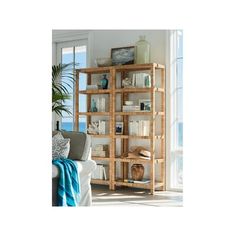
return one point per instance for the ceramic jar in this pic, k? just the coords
(137, 171)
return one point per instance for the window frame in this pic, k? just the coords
(171, 101)
(67, 44)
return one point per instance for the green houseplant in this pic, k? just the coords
(60, 87)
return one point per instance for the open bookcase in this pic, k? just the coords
(119, 144)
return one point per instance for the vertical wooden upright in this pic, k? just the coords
(153, 136)
(153, 131)
(89, 96)
(163, 130)
(112, 163)
(76, 110)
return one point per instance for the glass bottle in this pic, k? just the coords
(104, 82)
(142, 51)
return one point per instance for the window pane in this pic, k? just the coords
(80, 56)
(179, 44)
(67, 124)
(180, 134)
(179, 104)
(82, 103)
(179, 73)
(177, 110)
(82, 124)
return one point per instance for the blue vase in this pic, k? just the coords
(104, 82)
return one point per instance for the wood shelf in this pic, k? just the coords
(138, 137)
(95, 91)
(132, 67)
(139, 90)
(137, 160)
(139, 185)
(100, 181)
(94, 113)
(100, 135)
(140, 113)
(124, 143)
(100, 158)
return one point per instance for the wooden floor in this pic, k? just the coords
(102, 196)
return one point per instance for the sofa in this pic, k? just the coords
(80, 152)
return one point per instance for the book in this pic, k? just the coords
(105, 172)
(143, 181)
(131, 108)
(91, 87)
(101, 147)
(99, 153)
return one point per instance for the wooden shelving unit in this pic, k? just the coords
(157, 156)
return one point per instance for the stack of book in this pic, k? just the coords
(139, 127)
(143, 181)
(141, 80)
(100, 150)
(91, 86)
(131, 108)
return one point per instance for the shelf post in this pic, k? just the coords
(153, 131)
(76, 110)
(163, 130)
(112, 128)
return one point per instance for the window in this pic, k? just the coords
(74, 52)
(176, 89)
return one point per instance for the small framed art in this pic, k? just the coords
(122, 56)
(145, 104)
(119, 127)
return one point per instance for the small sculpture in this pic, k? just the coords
(127, 83)
(93, 128)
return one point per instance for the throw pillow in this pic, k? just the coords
(60, 146)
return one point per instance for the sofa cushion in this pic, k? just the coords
(60, 146)
(79, 144)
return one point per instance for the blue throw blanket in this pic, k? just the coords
(69, 185)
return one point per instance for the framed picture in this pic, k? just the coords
(122, 56)
(119, 127)
(145, 104)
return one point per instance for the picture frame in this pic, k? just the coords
(122, 55)
(145, 104)
(119, 127)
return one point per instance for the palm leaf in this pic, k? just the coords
(62, 78)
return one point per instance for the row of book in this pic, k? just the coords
(139, 127)
(101, 172)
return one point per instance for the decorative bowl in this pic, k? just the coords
(128, 103)
(102, 62)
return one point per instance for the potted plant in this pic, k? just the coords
(60, 92)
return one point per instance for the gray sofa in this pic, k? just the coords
(80, 152)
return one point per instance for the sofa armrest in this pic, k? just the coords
(87, 152)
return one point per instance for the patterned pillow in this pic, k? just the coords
(60, 146)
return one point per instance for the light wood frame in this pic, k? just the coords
(153, 137)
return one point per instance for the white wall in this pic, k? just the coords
(104, 40)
